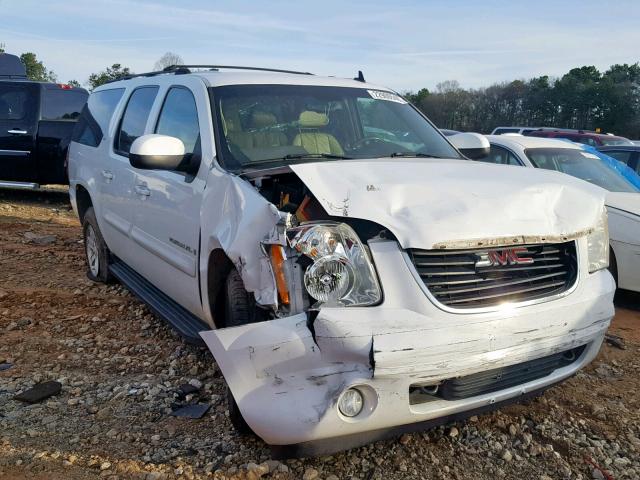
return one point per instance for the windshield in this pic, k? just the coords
(607, 140)
(581, 164)
(271, 125)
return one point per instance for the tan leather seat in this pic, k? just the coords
(313, 140)
(266, 138)
(233, 130)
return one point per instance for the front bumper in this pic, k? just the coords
(287, 374)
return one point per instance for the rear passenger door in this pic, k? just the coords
(19, 105)
(166, 225)
(116, 177)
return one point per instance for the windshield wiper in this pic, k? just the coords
(413, 155)
(296, 156)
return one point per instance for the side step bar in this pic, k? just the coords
(19, 185)
(183, 321)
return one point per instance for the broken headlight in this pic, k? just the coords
(341, 273)
(598, 245)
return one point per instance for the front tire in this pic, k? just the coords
(613, 266)
(235, 416)
(95, 249)
(239, 309)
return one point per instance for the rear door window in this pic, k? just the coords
(17, 102)
(501, 156)
(500, 131)
(59, 104)
(134, 119)
(622, 156)
(96, 115)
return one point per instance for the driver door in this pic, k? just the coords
(166, 219)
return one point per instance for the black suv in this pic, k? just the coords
(36, 122)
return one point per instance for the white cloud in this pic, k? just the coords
(407, 45)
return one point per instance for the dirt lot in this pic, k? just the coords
(120, 368)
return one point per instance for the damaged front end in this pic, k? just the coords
(353, 347)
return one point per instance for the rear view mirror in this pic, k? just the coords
(156, 152)
(471, 145)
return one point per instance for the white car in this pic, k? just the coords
(353, 274)
(623, 199)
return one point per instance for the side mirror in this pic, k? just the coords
(471, 145)
(156, 152)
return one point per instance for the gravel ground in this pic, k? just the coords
(121, 369)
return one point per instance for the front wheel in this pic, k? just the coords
(237, 420)
(95, 249)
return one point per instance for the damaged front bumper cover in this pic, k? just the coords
(287, 374)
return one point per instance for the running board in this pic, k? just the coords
(183, 321)
(19, 185)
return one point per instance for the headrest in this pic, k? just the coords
(263, 119)
(310, 119)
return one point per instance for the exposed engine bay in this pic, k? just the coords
(310, 266)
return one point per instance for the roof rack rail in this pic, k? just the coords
(184, 69)
(187, 69)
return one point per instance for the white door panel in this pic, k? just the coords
(166, 232)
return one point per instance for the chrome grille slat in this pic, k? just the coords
(505, 284)
(455, 278)
(496, 295)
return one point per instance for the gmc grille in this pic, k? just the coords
(466, 279)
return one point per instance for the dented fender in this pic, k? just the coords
(237, 219)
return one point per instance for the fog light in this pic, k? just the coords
(350, 403)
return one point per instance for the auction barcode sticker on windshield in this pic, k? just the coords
(388, 96)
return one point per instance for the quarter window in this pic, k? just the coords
(134, 118)
(179, 118)
(95, 116)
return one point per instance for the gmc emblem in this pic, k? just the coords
(506, 256)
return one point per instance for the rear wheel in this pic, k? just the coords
(95, 249)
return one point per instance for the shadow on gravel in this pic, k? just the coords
(627, 299)
(57, 194)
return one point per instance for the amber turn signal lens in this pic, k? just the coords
(277, 260)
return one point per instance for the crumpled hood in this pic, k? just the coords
(432, 203)
(629, 202)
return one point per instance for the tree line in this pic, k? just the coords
(36, 70)
(584, 98)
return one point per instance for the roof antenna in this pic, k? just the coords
(360, 77)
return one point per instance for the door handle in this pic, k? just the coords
(142, 190)
(16, 131)
(107, 175)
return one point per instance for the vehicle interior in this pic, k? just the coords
(259, 125)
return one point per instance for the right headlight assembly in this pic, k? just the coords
(598, 245)
(341, 272)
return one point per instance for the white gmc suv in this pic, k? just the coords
(354, 275)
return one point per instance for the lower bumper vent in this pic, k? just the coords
(494, 380)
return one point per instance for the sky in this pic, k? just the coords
(406, 45)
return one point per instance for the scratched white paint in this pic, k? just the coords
(287, 382)
(432, 203)
(235, 217)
